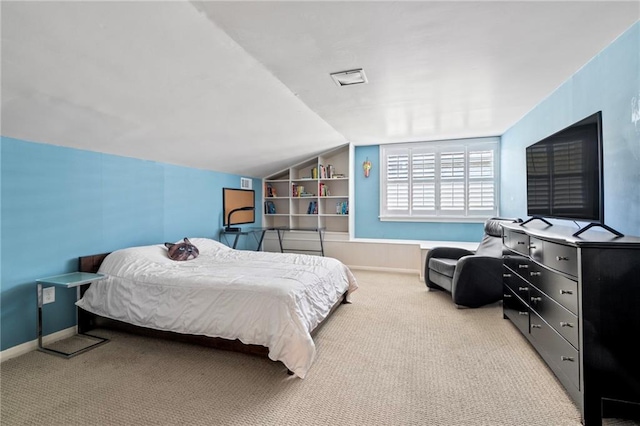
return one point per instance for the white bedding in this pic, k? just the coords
(261, 298)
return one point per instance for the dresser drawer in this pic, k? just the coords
(519, 264)
(556, 256)
(516, 241)
(560, 288)
(563, 358)
(563, 321)
(516, 283)
(516, 310)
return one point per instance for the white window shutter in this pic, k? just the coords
(444, 179)
(423, 183)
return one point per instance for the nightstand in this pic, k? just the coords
(73, 279)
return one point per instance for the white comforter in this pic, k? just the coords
(261, 298)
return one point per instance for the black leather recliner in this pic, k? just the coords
(473, 278)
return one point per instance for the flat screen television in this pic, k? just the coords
(238, 208)
(564, 174)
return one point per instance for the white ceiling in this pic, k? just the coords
(244, 87)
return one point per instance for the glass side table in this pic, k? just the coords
(73, 279)
(258, 235)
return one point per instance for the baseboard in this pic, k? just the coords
(384, 269)
(33, 345)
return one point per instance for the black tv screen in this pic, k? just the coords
(564, 173)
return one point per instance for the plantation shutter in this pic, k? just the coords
(446, 179)
(423, 182)
(482, 191)
(397, 194)
(452, 182)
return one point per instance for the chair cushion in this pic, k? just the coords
(443, 266)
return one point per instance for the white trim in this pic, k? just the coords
(379, 269)
(424, 244)
(33, 344)
(428, 245)
(424, 219)
(352, 191)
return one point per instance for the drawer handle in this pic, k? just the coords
(525, 266)
(507, 296)
(536, 299)
(506, 275)
(523, 313)
(566, 358)
(535, 274)
(523, 288)
(566, 291)
(560, 258)
(536, 326)
(532, 246)
(520, 242)
(566, 324)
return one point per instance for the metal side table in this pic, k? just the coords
(73, 279)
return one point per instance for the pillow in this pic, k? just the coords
(182, 251)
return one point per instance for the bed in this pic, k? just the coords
(254, 302)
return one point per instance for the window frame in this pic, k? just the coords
(417, 205)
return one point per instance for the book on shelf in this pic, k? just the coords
(342, 208)
(323, 190)
(330, 171)
(313, 208)
(270, 191)
(323, 172)
(269, 207)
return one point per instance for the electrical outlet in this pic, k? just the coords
(48, 295)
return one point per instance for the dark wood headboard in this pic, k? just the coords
(91, 263)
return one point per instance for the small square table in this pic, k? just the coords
(258, 234)
(70, 280)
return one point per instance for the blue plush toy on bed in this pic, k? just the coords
(182, 251)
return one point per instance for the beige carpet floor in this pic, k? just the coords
(398, 355)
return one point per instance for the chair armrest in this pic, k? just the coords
(477, 281)
(442, 252)
(448, 252)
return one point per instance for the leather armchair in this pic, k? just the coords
(474, 279)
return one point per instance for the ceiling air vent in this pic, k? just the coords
(348, 78)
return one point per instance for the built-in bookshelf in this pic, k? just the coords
(311, 194)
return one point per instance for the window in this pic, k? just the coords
(445, 179)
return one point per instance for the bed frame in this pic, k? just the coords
(89, 321)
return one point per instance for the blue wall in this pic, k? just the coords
(60, 203)
(367, 210)
(609, 82)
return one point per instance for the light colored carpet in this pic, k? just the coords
(398, 355)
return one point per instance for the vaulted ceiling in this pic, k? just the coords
(244, 87)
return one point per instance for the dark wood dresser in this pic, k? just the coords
(577, 301)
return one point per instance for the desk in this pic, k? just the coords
(282, 229)
(74, 279)
(258, 234)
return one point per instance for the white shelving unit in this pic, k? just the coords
(310, 194)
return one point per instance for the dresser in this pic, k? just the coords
(577, 301)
